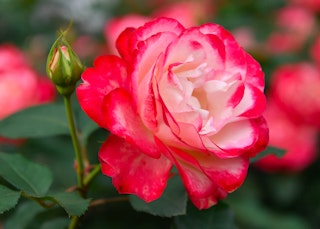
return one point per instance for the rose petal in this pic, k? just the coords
(193, 49)
(252, 104)
(132, 171)
(235, 57)
(241, 137)
(222, 98)
(255, 75)
(228, 173)
(107, 74)
(159, 25)
(145, 63)
(123, 45)
(115, 26)
(122, 120)
(203, 192)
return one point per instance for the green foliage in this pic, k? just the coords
(257, 216)
(73, 204)
(9, 198)
(55, 224)
(32, 178)
(173, 201)
(269, 150)
(23, 216)
(217, 217)
(38, 121)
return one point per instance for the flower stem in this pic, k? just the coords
(94, 172)
(109, 200)
(73, 222)
(75, 141)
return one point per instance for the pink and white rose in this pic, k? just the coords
(188, 97)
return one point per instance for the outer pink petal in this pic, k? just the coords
(241, 137)
(145, 61)
(159, 25)
(207, 178)
(122, 120)
(253, 103)
(207, 202)
(132, 171)
(228, 174)
(235, 56)
(123, 45)
(202, 191)
(194, 47)
(115, 26)
(262, 137)
(107, 74)
(255, 75)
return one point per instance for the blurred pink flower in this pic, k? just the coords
(315, 51)
(188, 13)
(245, 37)
(313, 5)
(20, 85)
(299, 141)
(86, 47)
(11, 57)
(294, 26)
(296, 88)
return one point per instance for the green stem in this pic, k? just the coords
(73, 222)
(94, 172)
(109, 200)
(40, 201)
(86, 162)
(75, 141)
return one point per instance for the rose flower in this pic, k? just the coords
(294, 26)
(298, 140)
(20, 85)
(296, 88)
(188, 97)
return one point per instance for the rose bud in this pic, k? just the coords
(63, 66)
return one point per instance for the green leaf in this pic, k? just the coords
(37, 121)
(173, 201)
(23, 215)
(56, 223)
(8, 198)
(252, 214)
(218, 217)
(72, 203)
(32, 178)
(269, 150)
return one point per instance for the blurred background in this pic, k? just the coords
(283, 35)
